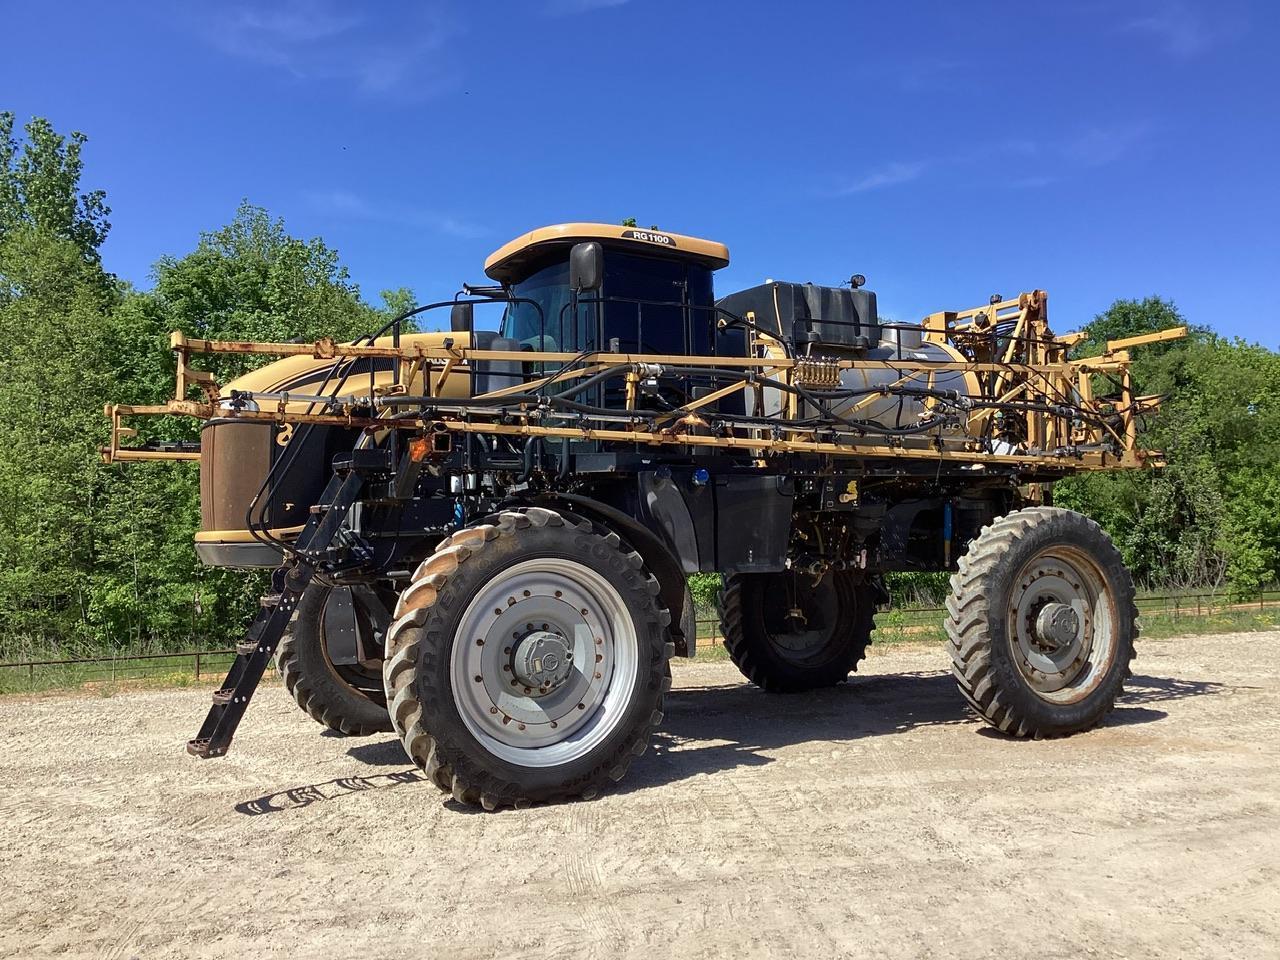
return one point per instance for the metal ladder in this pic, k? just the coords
(314, 545)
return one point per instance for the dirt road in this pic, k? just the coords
(875, 819)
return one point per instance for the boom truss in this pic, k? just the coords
(1065, 414)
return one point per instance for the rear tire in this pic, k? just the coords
(528, 661)
(1042, 623)
(787, 634)
(347, 700)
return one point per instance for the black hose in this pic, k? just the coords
(563, 472)
(528, 459)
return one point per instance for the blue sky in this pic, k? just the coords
(945, 150)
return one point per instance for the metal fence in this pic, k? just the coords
(186, 664)
(1161, 611)
(1165, 613)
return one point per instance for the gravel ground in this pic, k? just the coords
(876, 819)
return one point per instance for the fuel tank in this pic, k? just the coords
(236, 455)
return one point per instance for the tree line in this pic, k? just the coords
(96, 556)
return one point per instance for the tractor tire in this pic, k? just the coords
(349, 699)
(760, 619)
(1042, 623)
(528, 661)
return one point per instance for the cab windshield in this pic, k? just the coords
(651, 305)
(554, 329)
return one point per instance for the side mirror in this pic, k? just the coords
(586, 266)
(462, 318)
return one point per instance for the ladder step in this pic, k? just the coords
(269, 599)
(246, 648)
(200, 748)
(224, 695)
(364, 460)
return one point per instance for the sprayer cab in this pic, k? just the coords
(595, 287)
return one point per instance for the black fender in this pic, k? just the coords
(662, 563)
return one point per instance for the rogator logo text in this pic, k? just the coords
(648, 236)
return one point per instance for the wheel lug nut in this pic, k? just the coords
(528, 594)
(479, 679)
(506, 667)
(493, 709)
(497, 612)
(554, 724)
(559, 594)
(599, 657)
(520, 726)
(582, 706)
(480, 642)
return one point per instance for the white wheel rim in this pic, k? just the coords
(573, 608)
(1069, 670)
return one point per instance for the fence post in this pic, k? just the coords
(197, 664)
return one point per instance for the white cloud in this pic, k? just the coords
(293, 23)
(351, 206)
(328, 41)
(1099, 146)
(889, 175)
(1032, 182)
(449, 226)
(341, 202)
(1178, 28)
(564, 8)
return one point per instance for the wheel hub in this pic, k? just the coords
(1056, 625)
(534, 666)
(542, 660)
(1060, 618)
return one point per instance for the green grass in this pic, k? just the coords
(1158, 626)
(708, 651)
(920, 626)
(106, 676)
(892, 627)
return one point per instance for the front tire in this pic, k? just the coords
(1042, 623)
(528, 661)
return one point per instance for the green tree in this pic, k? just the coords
(1132, 318)
(97, 555)
(40, 187)
(249, 280)
(398, 301)
(1209, 516)
(54, 304)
